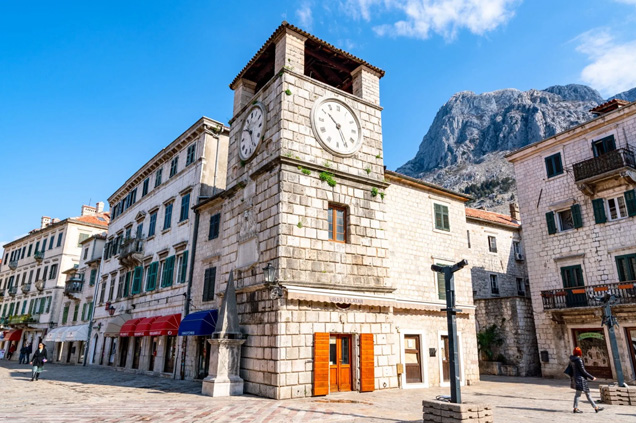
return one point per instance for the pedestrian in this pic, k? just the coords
(23, 350)
(28, 353)
(38, 360)
(579, 379)
(11, 351)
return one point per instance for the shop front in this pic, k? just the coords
(596, 355)
(200, 326)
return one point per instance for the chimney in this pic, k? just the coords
(88, 211)
(46, 221)
(514, 212)
(99, 207)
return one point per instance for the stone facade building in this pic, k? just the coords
(31, 277)
(145, 273)
(578, 202)
(75, 313)
(500, 290)
(355, 305)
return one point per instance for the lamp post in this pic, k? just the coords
(610, 321)
(275, 290)
(451, 311)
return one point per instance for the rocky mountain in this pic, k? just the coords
(465, 146)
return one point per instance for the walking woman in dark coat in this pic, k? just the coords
(38, 360)
(579, 380)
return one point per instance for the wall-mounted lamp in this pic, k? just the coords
(275, 290)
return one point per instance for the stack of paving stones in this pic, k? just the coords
(445, 412)
(618, 396)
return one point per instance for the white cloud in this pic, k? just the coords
(422, 18)
(304, 16)
(613, 64)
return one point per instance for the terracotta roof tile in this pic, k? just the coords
(496, 218)
(100, 219)
(608, 106)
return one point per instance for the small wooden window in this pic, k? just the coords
(337, 223)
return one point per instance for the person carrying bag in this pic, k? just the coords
(39, 358)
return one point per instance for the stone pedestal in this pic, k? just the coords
(225, 359)
(445, 412)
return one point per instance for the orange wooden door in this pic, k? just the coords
(340, 363)
(321, 363)
(367, 363)
(445, 359)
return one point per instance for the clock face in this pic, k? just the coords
(252, 132)
(336, 126)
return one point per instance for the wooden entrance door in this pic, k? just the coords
(123, 352)
(340, 363)
(136, 352)
(595, 351)
(412, 359)
(445, 354)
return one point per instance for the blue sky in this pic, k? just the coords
(89, 91)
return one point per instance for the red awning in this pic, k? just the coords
(143, 327)
(166, 325)
(128, 328)
(13, 335)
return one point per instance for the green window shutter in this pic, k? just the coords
(42, 303)
(184, 268)
(549, 217)
(599, 210)
(151, 281)
(136, 285)
(168, 272)
(65, 315)
(576, 215)
(127, 285)
(90, 310)
(75, 312)
(630, 201)
(84, 312)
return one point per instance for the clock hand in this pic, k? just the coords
(342, 136)
(334, 121)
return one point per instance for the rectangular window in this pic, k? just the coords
(85, 254)
(111, 288)
(59, 239)
(442, 221)
(494, 286)
(81, 238)
(144, 187)
(158, 177)
(521, 289)
(183, 267)
(553, 165)
(42, 304)
(137, 279)
(168, 272)
(24, 251)
(65, 314)
(492, 244)
(140, 231)
(626, 266)
(167, 218)
(48, 303)
(565, 220)
(51, 242)
(127, 281)
(128, 232)
(185, 207)
(604, 145)
(45, 273)
(102, 291)
(91, 281)
(84, 311)
(29, 251)
(53, 273)
(31, 276)
(215, 224)
(151, 276)
(152, 224)
(174, 164)
(337, 219)
(133, 197)
(75, 312)
(120, 286)
(616, 208)
(190, 155)
(209, 280)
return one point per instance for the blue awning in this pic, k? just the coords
(201, 323)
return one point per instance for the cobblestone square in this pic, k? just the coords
(92, 394)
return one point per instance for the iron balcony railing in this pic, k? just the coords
(131, 246)
(585, 296)
(39, 256)
(73, 287)
(612, 160)
(13, 290)
(24, 318)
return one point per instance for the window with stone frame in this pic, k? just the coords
(111, 288)
(158, 175)
(441, 218)
(337, 220)
(65, 314)
(215, 226)
(120, 286)
(565, 220)
(440, 284)
(174, 166)
(167, 218)
(144, 187)
(53, 273)
(102, 291)
(153, 224)
(492, 244)
(494, 285)
(553, 165)
(616, 208)
(185, 207)
(521, 288)
(209, 279)
(191, 154)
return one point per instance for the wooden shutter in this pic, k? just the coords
(576, 215)
(549, 217)
(599, 210)
(321, 364)
(136, 285)
(630, 201)
(184, 267)
(367, 363)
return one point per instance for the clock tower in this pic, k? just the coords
(305, 193)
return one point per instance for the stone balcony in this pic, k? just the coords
(584, 296)
(26, 288)
(619, 164)
(39, 256)
(39, 285)
(131, 252)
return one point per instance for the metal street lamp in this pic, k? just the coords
(275, 290)
(610, 321)
(451, 311)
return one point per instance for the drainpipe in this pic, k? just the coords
(90, 321)
(186, 308)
